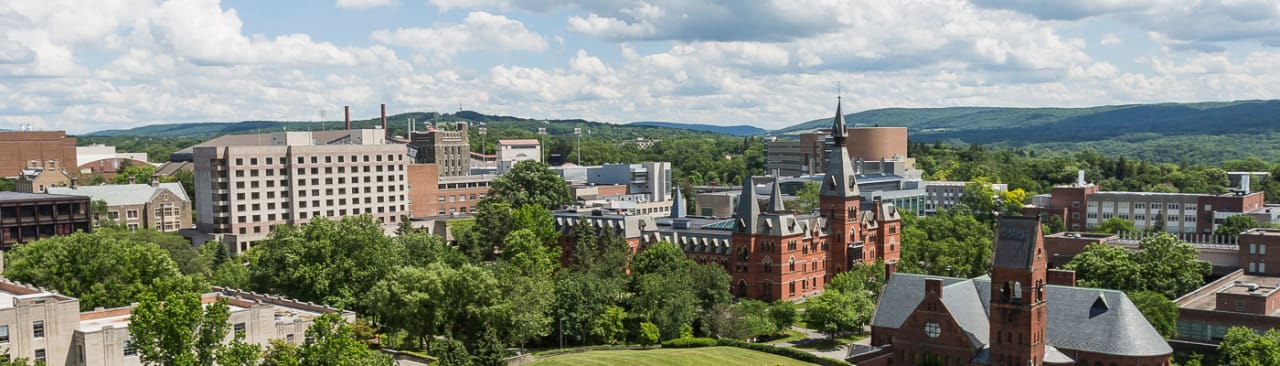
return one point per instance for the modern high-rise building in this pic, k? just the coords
(449, 150)
(292, 178)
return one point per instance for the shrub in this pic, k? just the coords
(785, 352)
(689, 342)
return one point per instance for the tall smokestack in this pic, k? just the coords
(346, 115)
(384, 119)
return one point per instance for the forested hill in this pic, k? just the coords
(739, 130)
(1199, 132)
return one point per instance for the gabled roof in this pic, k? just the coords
(748, 209)
(775, 197)
(122, 194)
(1119, 330)
(677, 205)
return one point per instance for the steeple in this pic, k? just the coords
(677, 207)
(775, 198)
(838, 132)
(840, 180)
(748, 208)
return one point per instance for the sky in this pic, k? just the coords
(88, 65)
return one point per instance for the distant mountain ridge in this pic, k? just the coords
(1198, 132)
(739, 130)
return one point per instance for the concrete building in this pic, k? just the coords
(449, 150)
(105, 161)
(943, 195)
(38, 177)
(805, 155)
(18, 149)
(294, 177)
(1021, 314)
(46, 327)
(1062, 247)
(1082, 206)
(255, 139)
(161, 206)
(652, 179)
(511, 152)
(770, 253)
(905, 194)
(26, 217)
(1238, 299)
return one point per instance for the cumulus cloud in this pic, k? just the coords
(479, 31)
(1193, 23)
(363, 4)
(1111, 39)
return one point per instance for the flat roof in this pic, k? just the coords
(1263, 232)
(19, 196)
(519, 142)
(1207, 300)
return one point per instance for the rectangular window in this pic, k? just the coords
(40, 356)
(4, 334)
(239, 330)
(133, 214)
(1262, 249)
(129, 348)
(1253, 248)
(37, 329)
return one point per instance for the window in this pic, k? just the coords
(1208, 208)
(40, 356)
(37, 329)
(129, 348)
(1262, 249)
(239, 330)
(4, 334)
(133, 214)
(1253, 248)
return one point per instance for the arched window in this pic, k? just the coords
(792, 264)
(1017, 292)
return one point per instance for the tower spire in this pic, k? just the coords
(775, 197)
(838, 132)
(677, 205)
(748, 207)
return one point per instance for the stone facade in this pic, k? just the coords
(161, 206)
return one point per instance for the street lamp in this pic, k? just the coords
(577, 131)
(562, 332)
(483, 131)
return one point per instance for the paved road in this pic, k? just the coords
(813, 336)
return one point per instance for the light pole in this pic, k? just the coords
(483, 131)
(562, 332)
(577, 131)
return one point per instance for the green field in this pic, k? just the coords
(669, 357)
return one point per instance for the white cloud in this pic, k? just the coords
(202, 32)
(1111, 39)
(363, 4)
(479, 31)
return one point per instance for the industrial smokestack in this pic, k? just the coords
(384, 119)
(346, 115)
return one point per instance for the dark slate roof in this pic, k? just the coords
(21, 196)
(1015, 242)
(1119, 330)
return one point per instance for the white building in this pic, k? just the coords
(511, 152)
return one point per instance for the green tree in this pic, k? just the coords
(648, 334)
(280, 353)
(239, 353)
(408, 300)
(1056, 225)
(834, 312)
(525, 276)
(1106, 266)
(950, 243)
(980, 197)
(783, 314)
(1115, 225)
(333, 343)
(531, 182)
(1159, 311)
(1162, 264)
(121, 269)
(99, 210)
(1012, 202)
(613, 326)
(1243, 346)
(174, 329)
(331, 262)
(806, 198)
(1234, 225)
(134, 173)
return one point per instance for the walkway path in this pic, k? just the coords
(813, 337)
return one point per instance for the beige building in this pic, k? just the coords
(42, 326)
(292, 178)
(161, 206)
(39, 176)
(511, 152)
(449, 150)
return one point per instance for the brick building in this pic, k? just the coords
(770, 253)
(1021, 314)
(26, 217)
(1237, 299)
(38, 177)
(1082, 206)
(19, 148)
(431, 194)
(449, 150)
(161, 206)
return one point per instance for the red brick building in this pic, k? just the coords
(19, 148)
(1082, 206)
(1022, 314)
(771, 253)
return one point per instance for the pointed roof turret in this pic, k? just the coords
(838, 129)
(775, 197)
(840, 180)
(677, 207)
(748, 208)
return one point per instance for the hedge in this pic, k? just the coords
(689, 342)
(785, 352)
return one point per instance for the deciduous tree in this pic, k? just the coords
(103, 269)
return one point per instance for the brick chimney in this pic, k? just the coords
(1062, 277)
(75, 182)
(384, 119)
(933, 286)
(346, 115)
(155, 180)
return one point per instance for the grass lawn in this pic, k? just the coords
(670, 357)
(792, 335)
